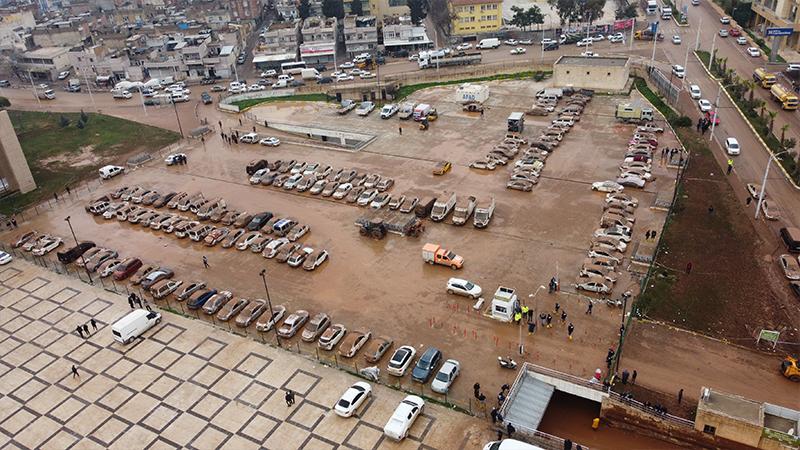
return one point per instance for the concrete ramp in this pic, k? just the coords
(341, 138)
(529, 402)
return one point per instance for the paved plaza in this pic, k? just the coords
(184, 384)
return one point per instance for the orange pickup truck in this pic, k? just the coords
(435, 254)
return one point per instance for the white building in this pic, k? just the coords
(360, 34)
(319, 40)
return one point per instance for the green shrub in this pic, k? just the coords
(4, 103)
(681, 122)
(63, 122)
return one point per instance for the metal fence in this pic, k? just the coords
(663, 84)
(308, 350)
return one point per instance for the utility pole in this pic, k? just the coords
(263, 275)
(83, 260)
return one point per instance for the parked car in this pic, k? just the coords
(190, 289)
(377, 348)
(403, 417)
(155, 276)
(127, 268)
(401, 360)
(267, 321)
(315, 259)
(607, 186)
(463, 287)
(232, 308)
(316, 326)
(199, 298)
(216, 301)
(790, 266)
(293, 323)
(446, 375)
(353, 342)
(251, 313)
(66, 257)
(426, 365)
(352, 399)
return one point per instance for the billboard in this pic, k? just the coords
(624, 24)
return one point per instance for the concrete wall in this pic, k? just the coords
(598, 77)
(728, 428)
(13, 165)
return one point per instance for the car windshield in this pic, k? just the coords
(344, 403)
(442, 376)
(399, 356)
(468, 286)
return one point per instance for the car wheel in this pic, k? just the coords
(454, 267)
(450, 291)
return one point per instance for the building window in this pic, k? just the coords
(394, 3)
(472, 8)
(709, 429)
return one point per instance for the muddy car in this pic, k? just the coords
(410, 205)
(164, 287)
(520, 185)
(164, 200)
(127, 268)
(216, 236)
(354, 194)
(342, 190)
(216, 301)
(177, 199)
(107, 268)
(377, 348)
(332, 336)
(143, 272)
(286, 251)
(73, 253)
(267, 321)
(273, 248)
(233, 237)
(99, 259)
(330, 188)
(232, 308)
(293, 323)
(162, 273)
(315, 259)
(316, 326)
(297, 232)
(353, 343)
(190, 289)
(258, 245)
(251, 313)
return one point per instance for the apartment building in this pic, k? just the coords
(400, 34)
(319, 40)
(476, 16)
(360, 34)
(245, 9)
(43, 64)
(777, 13)
(387, 8)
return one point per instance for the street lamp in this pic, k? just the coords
(263, 274)
(716, 110)
(764, 181)
(533, 299)
(83, 260)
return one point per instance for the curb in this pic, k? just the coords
(750, 125)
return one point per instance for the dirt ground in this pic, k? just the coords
(722, 244)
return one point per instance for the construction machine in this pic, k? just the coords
(790, 368)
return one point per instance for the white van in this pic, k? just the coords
(310, 74)
(249, 138)
(107, 172)
(283, 226)
(134, 325)
(488, 43)
(421, 112)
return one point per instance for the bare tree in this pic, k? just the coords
(441, 16)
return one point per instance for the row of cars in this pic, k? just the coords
(525, 173)
(38, 244)
(635, 170)
(264, 232)
(599, 271)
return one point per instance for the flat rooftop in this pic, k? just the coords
(46, 52)
(733, 406)
(593, 61)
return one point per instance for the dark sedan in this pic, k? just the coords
(199, 301)
(127, 268)
(74, 253)
(258, 221)
(426, 365)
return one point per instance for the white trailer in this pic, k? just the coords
(472, 93)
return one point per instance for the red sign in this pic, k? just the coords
(625, 24)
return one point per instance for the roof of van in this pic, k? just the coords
(130, 318)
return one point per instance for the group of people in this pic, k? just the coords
(11, 222)
(84, 329)
(703, 124)
(134, 300)
(180, 159)
(668, 154)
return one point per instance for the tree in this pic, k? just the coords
(63, 121)
(84, 117)
(356, 8)
(304, 9)
(566, 9)
(772, 115)
(418, 9)
(742, 13)
(783, 134)
(520, 17)
(534, 16)
(441, 15)
(626, 12)
(333, 8)
(592, 10)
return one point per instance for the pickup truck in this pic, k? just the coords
(436, 254)
(346, 106)
(463, 211)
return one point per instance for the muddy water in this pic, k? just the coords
(570, 417)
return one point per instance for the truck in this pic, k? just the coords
(472, 93)
(406, 110)
(666, 13)
(550, 92)
(516, 122)
(442, 207)
(483, 214)
(74, 85)
(463, 211)
(346, 106)
(647, 35)
(488, 43)
(433, 59)
(436, 254)
(764, 78)
(785, 97)
(310, 74)
(633, 113)
(421, 112)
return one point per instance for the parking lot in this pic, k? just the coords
(384, 285)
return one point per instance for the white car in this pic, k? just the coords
(446, 375)
(174, 158)
(5, 258)
(367, 75)
(48, 247)
(723, 33)
(678, 71)
(463, 287)
(704, 105)
(352, 399)
(694, 91)
(343, 77)
(725, 19)
(589, 53)
(518, 51)
(793, 67)
(347, 65)
(108, 172)
(595, 285)
(255, 88)
(607, 186)
(342, 190)
(510, 42)
(270, 142)
(754, 52)
(63, 75)
(401, 360)
(548, 41)
(584, 42)
(256, 178)
(631, 181)
(732, 146)
(597, 38)
(269, 73)
(614, 233)
(676, 39)
(741, 40)
(365, 108)
(404, 416)
(389, 110)
(617, 38)
(464, 46)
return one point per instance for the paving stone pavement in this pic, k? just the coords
(184, 384)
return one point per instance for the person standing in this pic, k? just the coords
(86, 329)
(688, 268)
(531, 327)
(567, 444)
(510, 430)
(289, 397)
(625, 376)
(130, 300)
(589, 309)
(680, 396)
(557, 306)
(94, 323)
(400, 129)
(543, 319)
(75, 372)
(563, 316)
(205, 262)
(493, 414)
(633, 377)
(549, 321)
(730, 166)
(570, 330)
(79, 329)
(530, 316)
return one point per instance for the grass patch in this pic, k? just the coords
(655, 99)
(244, 104)
(59, 156)
(409, 89)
